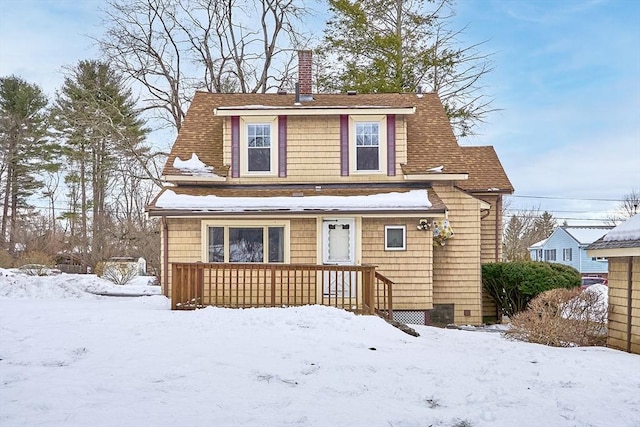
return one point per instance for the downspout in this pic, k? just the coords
(165, 256)
(629, 292)
(498, 225)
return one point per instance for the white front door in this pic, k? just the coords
(338, 248)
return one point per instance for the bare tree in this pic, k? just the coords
(628, 207)
(174, 47)
(524, 229)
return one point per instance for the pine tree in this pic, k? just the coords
(25, 150)
(398, 46)
(97, 122)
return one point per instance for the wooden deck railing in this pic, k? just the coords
(355, 288)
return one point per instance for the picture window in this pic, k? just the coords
(395, 237)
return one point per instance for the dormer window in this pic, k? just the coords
(368, 144)
(258, 145)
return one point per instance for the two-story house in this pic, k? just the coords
(567, 245)
(288, 199)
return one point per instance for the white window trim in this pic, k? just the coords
(382, 141)
(244, 146)
(226, 224)
(404, 237)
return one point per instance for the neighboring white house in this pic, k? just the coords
(567, 245)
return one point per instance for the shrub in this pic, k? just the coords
(119, 273)
(562, 318)
(98, 270)
(35, 257)
(512, 285)
(6, 260)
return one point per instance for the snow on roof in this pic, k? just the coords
(628, 230)
(410, 200)
(586, 235)
(193, 166)
(539, 244)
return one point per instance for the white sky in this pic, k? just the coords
(566, 78)
(72, 359)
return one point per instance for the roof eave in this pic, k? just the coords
(261, 110)
(159, 212)
(196, 179)
(614, 252)
(437, 177)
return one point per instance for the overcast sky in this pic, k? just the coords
(566, 79)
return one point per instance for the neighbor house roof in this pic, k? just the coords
(585, 235)
(431, 140)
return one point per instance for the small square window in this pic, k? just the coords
(395, 238)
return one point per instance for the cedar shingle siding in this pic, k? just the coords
(316, 163)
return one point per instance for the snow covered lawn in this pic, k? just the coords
(70, 358)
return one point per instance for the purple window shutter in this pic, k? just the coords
(235, 147)
(391, 145)
(344, 145)
(282, 146)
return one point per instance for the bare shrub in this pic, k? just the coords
(35, 257)
(6, 260)
(562, 318)
(119, 273)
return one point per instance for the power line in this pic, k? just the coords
(563, 198)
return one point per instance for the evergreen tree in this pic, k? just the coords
(25, 151)
(96, 120)
(398, 46)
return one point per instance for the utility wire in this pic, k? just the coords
(563, 198)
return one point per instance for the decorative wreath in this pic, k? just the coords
(442, 232)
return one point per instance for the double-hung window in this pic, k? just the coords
(549, 254)
(259, 145)
(245, 242)
(368, 144)
(566, 254)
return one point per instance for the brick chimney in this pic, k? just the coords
(305, 62)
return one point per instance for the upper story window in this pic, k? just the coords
(368, 147)
(259, 146)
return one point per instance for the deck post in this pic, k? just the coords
(175, 283)
(273, 285)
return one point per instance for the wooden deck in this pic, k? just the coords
(360, 289)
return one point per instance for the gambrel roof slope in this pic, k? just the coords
(431, 142)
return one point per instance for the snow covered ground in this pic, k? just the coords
(72, 358)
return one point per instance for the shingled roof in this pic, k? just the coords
(431, 141)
